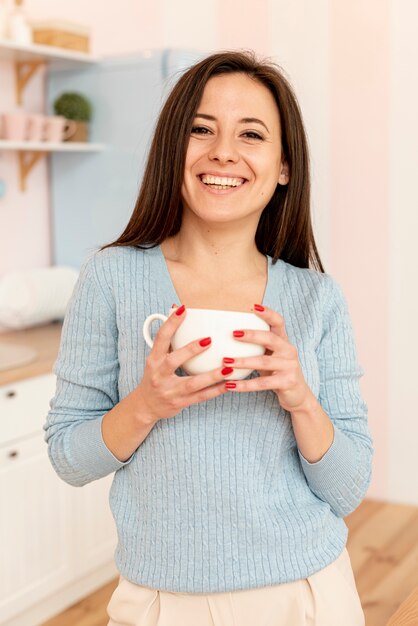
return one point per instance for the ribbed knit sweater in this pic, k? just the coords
(217, 498)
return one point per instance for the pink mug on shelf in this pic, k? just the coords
(15, 126)
(36, 126)
(58, 128)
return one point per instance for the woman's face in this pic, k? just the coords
(234, 156)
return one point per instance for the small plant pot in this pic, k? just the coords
(81, 134)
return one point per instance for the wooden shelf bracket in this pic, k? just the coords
(24, 70)
(27, 160)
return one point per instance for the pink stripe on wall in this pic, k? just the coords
(359, 228)
(244, 24)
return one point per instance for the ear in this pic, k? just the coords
(284, 174)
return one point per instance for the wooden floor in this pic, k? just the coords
(383, 546)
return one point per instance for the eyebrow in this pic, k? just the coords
(245, 120)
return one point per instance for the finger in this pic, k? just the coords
(257, 384)
(176, 358)
(193, 386)
(269, 363)
(265, 338)
(173, 306)
(275, 321)
(166, 331)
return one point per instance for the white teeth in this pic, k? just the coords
(217, 180)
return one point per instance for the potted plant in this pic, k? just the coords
(74, 106)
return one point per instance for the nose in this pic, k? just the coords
(223, 150)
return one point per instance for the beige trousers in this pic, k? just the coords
(327, 598)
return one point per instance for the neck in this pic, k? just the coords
(211, 253)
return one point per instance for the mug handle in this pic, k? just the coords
(147, 325)
(69, 129)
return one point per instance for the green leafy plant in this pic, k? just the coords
(73, 106)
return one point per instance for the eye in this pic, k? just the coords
(200, 130)
(253, 135)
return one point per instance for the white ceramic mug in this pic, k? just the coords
(219, 325)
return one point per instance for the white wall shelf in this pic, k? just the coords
(30, 152)
(58, 58)
(46, 146)
(27, 59)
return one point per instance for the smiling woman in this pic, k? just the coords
(229, 491)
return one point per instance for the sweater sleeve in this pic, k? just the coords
(87, 371)
(341, 477)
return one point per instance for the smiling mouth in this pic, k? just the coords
(218, 182)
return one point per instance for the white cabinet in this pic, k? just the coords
(52, 535)
(34, 527)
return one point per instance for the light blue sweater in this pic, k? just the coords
(217, 498)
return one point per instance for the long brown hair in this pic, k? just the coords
(285, 229)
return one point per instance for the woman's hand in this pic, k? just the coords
(279, 367)
(165, 394)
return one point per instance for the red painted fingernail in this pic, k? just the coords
(230, 385)
(238, 333)
(180, 310)
(205, 342)
(227, 370)
(258, 307)
(228, 360)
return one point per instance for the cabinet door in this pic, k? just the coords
(34, 527)
(94, 529)
(24, 406)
